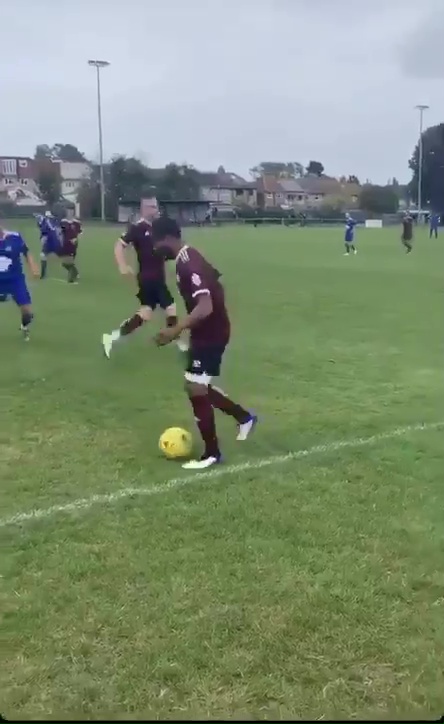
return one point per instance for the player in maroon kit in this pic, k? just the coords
(68, 249)
(153, 291)
(209, 325)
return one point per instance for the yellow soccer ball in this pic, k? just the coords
(176, 443)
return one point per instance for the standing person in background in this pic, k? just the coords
(349, 238)
(433, 225)
(407, 232)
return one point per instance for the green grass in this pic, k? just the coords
(313, 588)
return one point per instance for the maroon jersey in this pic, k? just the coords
(77, 228)
(151, 264)
(69, 237)
(195, 276)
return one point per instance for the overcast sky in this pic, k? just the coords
(230, 82)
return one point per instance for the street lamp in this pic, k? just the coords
(98, 65)
(421, 108)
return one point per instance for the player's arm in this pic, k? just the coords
(34, 269)
(120, 253)
(201, 311)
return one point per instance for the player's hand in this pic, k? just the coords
(166, 336)
(127, 271)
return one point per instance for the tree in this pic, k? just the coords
(315, 168)
(48, 181)
(432, 168)
(179, 183)
(379, 199)
(280, 169)
(59, 151)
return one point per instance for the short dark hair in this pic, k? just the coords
(164, 226)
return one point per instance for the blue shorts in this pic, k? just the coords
(349, 239)
(15, 289)
(50, 246)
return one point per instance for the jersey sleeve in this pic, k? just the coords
(129, 236)
(194, 277)
(23, 247)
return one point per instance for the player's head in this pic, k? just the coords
(167, 237)
(149, 208)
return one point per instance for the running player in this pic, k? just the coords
(50, 237)
(68, 249)
(209, 325)
(153, 291)
(12, 278)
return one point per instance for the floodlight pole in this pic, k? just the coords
(98, 65)
(421, 108)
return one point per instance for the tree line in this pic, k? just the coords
(130, 178)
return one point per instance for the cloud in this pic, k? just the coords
(421, 52)
(232, 83)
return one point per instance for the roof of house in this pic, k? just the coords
(268, 184)
(225, 180)
(291, 186)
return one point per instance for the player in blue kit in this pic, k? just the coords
(434, 225)
(349, 238)
(12, 277)
(50, 236)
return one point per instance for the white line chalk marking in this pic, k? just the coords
(223, 471)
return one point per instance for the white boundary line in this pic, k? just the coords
(223, 471)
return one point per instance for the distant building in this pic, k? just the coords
(72, 176)
(18, 181)
(308, 192)
(226, 190)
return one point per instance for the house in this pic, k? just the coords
(329, 191)
(17, 181)
(72, 176)
(308, 192)
(18, 171)
(283, 192)
(227, 190)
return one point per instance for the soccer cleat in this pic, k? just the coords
(107, 342)
(203, 463)
(25, 332)
(355, 251)
(244, 429)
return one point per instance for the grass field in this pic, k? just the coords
(310, 586)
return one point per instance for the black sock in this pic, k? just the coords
(130, 325)
(347, 249)
(27, 318)
(73, 273)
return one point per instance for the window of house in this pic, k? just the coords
(9, 166)
(23, 163)
(290, 197)
(8, 181)
(24, 181)
(250, 192)
(239, 192)
(300, 197)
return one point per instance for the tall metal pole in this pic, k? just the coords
(98, 65)
(421, 108)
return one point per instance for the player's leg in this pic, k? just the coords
(347, 246)
(22, 298)
(197, 381)
(203, 365)
(43, 265)
(246, 421)
(166, 301)
(69, 264)
(128, 326)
